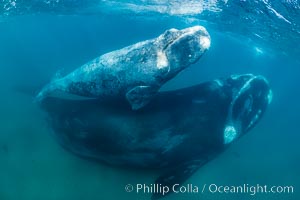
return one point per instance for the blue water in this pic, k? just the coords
(38, 38)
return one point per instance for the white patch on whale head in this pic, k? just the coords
(230, 134)
(162, 60)
(219, 82)
(205, 42)
(204, 39)
(255, 118)
(270, 96)
(195, 29)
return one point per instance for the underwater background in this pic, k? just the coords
(42, 38)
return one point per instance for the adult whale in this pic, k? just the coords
(178, 131)
(135, 72)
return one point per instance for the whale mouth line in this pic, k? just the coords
(250, 111)
(169, 43)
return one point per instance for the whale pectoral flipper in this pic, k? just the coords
(178, 175)
(140, 96)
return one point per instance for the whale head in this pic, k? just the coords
(181, 48)
(250, 98)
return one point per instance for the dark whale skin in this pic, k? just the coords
(178, 130)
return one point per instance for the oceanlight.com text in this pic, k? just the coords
(210, 188)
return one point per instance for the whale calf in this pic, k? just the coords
(135, 72)
(178, 131)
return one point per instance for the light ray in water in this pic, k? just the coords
(258, 51)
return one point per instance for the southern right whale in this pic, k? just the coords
(178, 131)
(135, 72)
